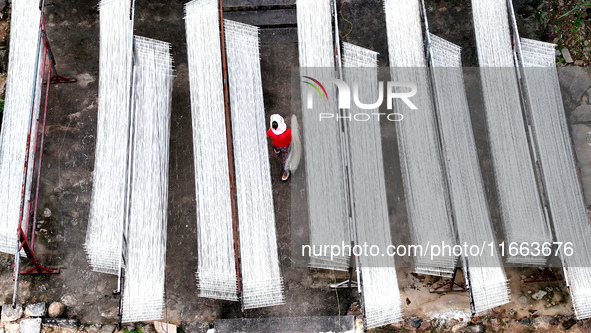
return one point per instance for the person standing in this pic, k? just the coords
(281, 136)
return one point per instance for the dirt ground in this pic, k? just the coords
(73, 29)
(564, 23)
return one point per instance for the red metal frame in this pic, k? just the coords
(451, 285)
(26, 236)
(55, 77)
(545, 276)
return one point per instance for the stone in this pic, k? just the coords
(30, 325)
(523, 300)
(543, 7)
(36, 310)
(354, 310)
(542, 320)
(111, 314)
(567, 56)
(579, 62)
(56, 329)
(539, 295)
(569, 323)
(525, 321)
(84, 79)
(61, 322)
(46, 212)
(582, 114)
(574, 81)
(478, 328)
(195, 327)
(458, 328)
(107, 329)
(12, 328)
(68, 300)
(415, 322)
(425, 326)
(91, 328)
(553, 321)
(146, 329)
(11, 314)
(56, 309)
(161, 327)
(531, 24)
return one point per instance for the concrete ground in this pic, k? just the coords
(73, 29)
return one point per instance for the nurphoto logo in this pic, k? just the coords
(344, 98)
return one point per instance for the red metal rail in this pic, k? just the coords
(26, 235)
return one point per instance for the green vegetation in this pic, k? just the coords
(575, 8)
(137, 330)
(569, 26)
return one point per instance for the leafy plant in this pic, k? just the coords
(137, 330)
(577, 7)
(578, 22)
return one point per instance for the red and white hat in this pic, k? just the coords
(281, 126)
